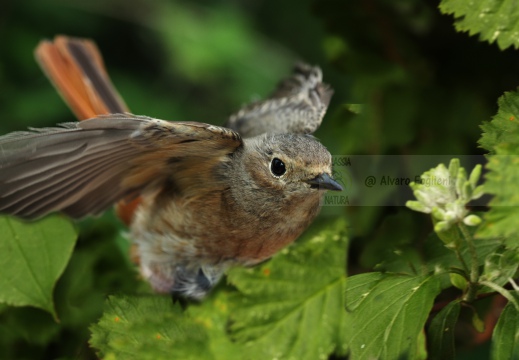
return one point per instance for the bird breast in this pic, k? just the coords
(212, 228)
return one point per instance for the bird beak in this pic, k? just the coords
(324, 182)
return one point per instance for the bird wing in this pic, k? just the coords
(298, 105)
(84, 167)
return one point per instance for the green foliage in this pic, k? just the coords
(287, 299)
(148, 328)
(494, 20)
(500, 138)
(500, 220)
(506, 333)
(447, 204)
(214, 314)
(501, 265)
(441, 330)
(501, 132)
(33, 257)
(387, 313)
(97, 267)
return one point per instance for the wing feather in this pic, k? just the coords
(83, 168)
(298, 105)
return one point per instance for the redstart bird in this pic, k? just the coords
(197, 198)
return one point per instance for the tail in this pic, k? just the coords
(76, 69)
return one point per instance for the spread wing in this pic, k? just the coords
(297, 106)
(83, 168)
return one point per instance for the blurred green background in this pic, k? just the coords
(425, 89)
(177, 60)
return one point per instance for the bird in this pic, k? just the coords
(197, 198)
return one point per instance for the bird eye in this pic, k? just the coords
(277, 167)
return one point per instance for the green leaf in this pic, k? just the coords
(493, 20)
(441, 332)
(214, 313)
(386, 314)
(502, 178)
(501, 138)
(503, 128)
(32, 258)
(293, 306)
(458, 281)
(505, 340)
(435, 257)
(150, 327)
(500, 266)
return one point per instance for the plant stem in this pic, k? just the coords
(474, 267)
(460, 258)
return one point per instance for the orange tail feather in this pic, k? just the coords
(76, 69)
